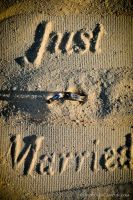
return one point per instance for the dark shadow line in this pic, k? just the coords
(19, 92)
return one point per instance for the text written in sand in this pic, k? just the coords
(26, 152)
(46, 39)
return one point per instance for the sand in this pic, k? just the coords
(32, 68)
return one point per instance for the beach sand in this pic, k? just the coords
(104, 73)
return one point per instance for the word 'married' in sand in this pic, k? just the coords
(57, 163)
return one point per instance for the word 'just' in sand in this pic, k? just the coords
(68, 42)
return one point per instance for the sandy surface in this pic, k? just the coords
(57, 7)
(106, 77)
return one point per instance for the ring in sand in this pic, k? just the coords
(67, 96)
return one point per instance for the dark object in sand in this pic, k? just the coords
(67, 96)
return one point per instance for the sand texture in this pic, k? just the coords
(66, 149)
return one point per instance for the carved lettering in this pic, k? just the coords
(80, 157)
(64, 158)
(49, 167)
(110, 159)
(28, 154)
(25, 151)
(69, 42)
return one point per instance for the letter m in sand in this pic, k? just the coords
(25, 154)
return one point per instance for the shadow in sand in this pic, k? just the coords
(31, 102)
(29, 141)
(32, 52)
